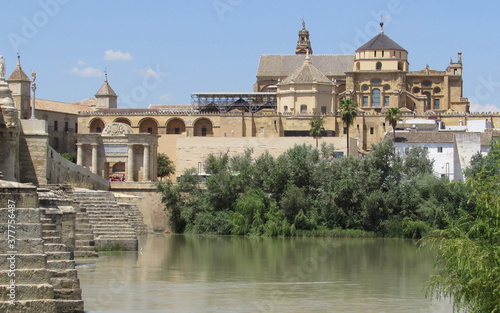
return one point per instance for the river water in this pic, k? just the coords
(176, 273)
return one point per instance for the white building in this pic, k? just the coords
(451, 151)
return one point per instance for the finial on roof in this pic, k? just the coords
(381, 26)
(303, 23)
(18, 59)
(308, 58)
(105, 74)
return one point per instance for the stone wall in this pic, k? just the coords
(189, 151)
(145, 196)
(33, 151)
(63, 171)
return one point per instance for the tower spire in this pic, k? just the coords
(303, 44)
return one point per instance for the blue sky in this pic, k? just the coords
(159, 52)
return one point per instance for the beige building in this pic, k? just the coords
(289, 91)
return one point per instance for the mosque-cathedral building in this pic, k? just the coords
(289, 91)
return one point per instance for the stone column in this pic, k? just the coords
(129, 174)
(79, 154)
(95, 166)
(145, 172)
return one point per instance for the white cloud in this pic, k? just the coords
(80, 62)
(167, 97)
(86, 72)
(117, 55)
(476, 107)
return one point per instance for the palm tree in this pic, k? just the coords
(317, 129)
(392, 116)
(348, 112)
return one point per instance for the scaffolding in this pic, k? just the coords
(226, 101)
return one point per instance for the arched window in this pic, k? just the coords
(203, 127)
(357, 66)
(379, 66)
(285, 108)
(176, 126)
(376, 97)
(96, 126)
(303, 108)
(148, 125)
(428, 104)
(400, 66)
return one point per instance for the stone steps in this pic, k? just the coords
(112, 224)
(61, 265)
(33, 290)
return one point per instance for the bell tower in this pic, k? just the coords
(20, 84)
(106, 96)
(303, 44)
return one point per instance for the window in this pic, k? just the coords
(364, 87)
(379, 66)
(177, 130)
(436, 104)
(66, 126)
(427, 83)
(387, 87)
(382, 53)
(375, 53)
(285, 108)
(376, 97)
(428, 95)
(56, 143)
(372, 130)
(345, 130)
(76, 127)
(387, 101)
(440, 149)
(323, 110)
(365, 101)
(303, 108)
(55, 126)
(376, 81)
(416, 90)
(437, 90)
(98, 129)
(400, 66)
(203, 131)
(150, 130)
(262, 130)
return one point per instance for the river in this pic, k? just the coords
(176, 273)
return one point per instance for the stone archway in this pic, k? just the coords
(96, 125)
(148, 125)
(176, 126)
(203, 128)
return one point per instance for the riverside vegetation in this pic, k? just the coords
(310, 191)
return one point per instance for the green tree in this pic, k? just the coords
(468, 261)
(348, 112)
(317, 129)
(165, 166)
(69, 156)
(392, 116)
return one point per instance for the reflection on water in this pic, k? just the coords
(240, 274)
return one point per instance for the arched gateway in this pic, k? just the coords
(119, 154)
